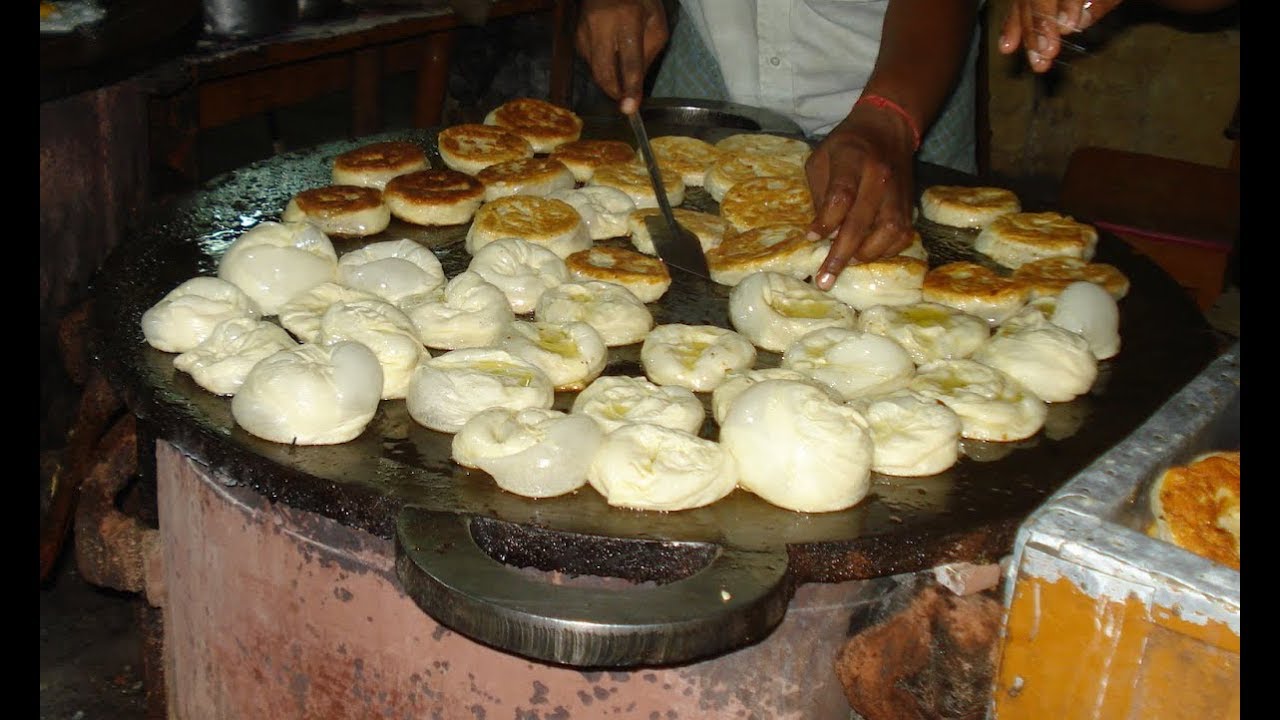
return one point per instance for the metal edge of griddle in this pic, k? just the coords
(823, 561)
(976, 536)
(708, 601)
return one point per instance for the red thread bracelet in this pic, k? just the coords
(883, 102)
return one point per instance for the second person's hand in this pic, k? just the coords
(1038, 26)
(861, 178)
(619, 40)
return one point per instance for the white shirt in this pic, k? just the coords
(807, 59)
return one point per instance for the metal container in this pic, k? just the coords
(247, 18)
(318, 10)
(695, 114)
(1104, 621)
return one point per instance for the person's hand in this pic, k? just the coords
(1038, 25)
(619, 40)
(861, 178)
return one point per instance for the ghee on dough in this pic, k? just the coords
(534, 452)
(651, 467)
(449, 389)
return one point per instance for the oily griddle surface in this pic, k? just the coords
(968, 513)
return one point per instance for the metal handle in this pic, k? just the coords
(680, 248)
(734, 600)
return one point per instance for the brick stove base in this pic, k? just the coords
(273, 612)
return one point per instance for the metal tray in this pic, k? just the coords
(662, 587)
(1100, 615)
(1099, 518)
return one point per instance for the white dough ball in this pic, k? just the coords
(187, 314)
(572, 354)
(797, 448)
(774, 310)
(1034, 314)
(467, 312)
(1088, 309)
(310, 395)
(301, 314)
(534, 452)
(737, 381)
(520, 269)
(913, 436)
(448, 390)
(1053, 363)
(391, 269)
(694, 356)
(273, 261)
(615, 312)
(223, 360)
(849, 362)
(618, 400)
(650, 467)
(604, 209)
(896, 280)
(384, 329)
(992, 405)
(927, 331)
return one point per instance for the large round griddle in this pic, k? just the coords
(570, 579)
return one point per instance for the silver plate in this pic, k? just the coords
(693, 113)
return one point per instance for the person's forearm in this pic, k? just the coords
(922, 49)
(619, 40)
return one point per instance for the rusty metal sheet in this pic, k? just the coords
(968, 513)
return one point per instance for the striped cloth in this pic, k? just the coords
(689, 70)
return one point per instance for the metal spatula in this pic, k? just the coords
(676, 245)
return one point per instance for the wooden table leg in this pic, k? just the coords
(433, 79)
(366, 101)
(175, 130)
(564, 16)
